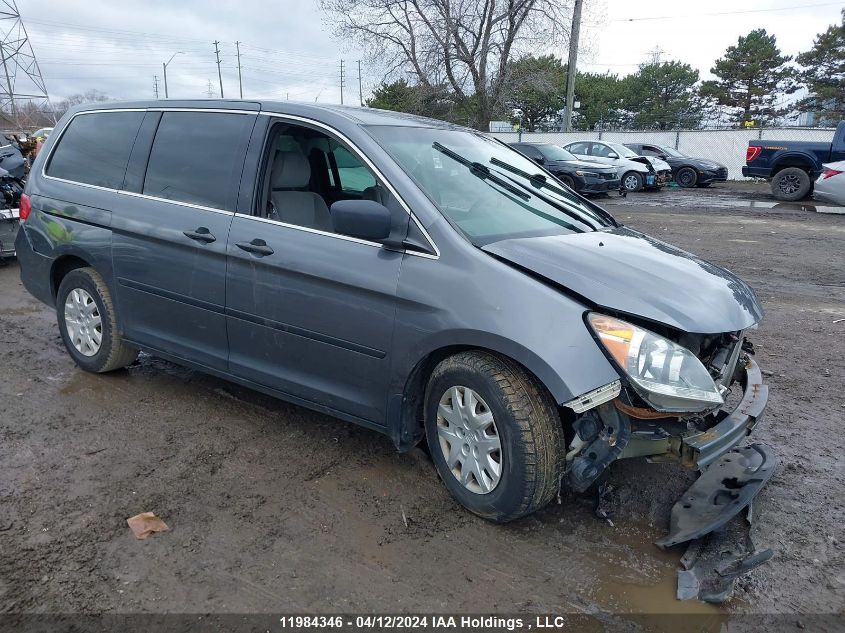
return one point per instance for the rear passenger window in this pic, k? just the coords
(197, 158)
(95, 148)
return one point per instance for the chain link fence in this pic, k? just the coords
(723, 146)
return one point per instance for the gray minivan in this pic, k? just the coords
(412, 276)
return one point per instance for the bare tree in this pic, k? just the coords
(464, 44)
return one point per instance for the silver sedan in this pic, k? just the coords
(830, 187)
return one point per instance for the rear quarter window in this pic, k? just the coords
(197, 157)
(94, 148)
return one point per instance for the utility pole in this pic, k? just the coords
(209, 91)
(219, 74)
(360, 86)
(240, 83)
(155, 85)
(572, 67)
(341, 82)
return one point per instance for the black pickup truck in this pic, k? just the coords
(792, 166)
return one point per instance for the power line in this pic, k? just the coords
(697, 15)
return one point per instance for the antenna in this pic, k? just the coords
(23, 94)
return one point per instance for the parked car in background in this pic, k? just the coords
(584, 177)
(636, 172)
(11, 158)
(11, 189)
(43, 133)
(830, 187)
(792, 166)
(451, 292)
(687, 171)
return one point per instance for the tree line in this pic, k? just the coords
(472, 63)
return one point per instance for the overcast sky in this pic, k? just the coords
(117, 47)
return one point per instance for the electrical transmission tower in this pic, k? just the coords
(23, 95)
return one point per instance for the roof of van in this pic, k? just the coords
(352, 114)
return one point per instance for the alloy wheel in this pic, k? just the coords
(789, 183)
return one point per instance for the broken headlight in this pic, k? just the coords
(666, 375)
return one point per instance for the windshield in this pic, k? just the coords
(671, 152)
(555, 152)
(487, 190)
(624, 152)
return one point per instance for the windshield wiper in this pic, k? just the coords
(480, 171)
(541, 182)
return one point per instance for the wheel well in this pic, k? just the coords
(800, 163)
(61, 267)
(413, 414)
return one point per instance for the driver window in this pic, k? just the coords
(603, 151)
(306, 171)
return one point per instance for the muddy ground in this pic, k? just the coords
(275, 508)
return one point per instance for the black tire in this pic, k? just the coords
(632, 181)
(528, 427)
(791, 184)
(567, 180)
(686, 177)
(113, 353)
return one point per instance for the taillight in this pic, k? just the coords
(752, 152)
(828, 172)
(25, 207)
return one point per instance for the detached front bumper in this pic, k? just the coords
(701, 449)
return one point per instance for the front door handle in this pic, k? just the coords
(201, 234)
(256, 247)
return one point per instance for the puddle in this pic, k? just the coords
(646, 595)
(704, 202)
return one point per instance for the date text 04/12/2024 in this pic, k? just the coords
(420, 622)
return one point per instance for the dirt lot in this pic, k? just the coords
(274, 508)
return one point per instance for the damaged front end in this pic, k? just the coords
(689, 398)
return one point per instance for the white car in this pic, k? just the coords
(830, 187)
(636, 172)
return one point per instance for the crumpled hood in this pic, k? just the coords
(627, 271)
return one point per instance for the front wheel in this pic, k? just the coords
(494, 434)
(567, 180)
(87, 323)
(632, 181)
(686, 177)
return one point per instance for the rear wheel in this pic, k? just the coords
(686, 177)
(791, 184)
(495, 435)
(87, 323)
(632, 181)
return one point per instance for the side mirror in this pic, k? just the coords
(540, 160)
(613, 155)
(364, 219)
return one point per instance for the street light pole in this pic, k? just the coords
(164, 68)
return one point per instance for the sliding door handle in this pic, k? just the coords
(256, 247)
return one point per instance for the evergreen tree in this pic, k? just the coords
(752, 78)
(663, 95)
(824, 75)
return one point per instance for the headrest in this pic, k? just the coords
(290, 171)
